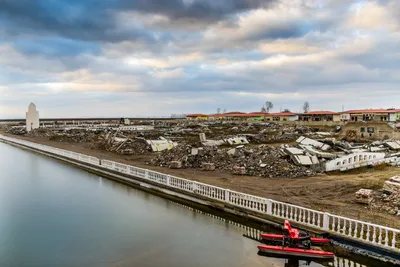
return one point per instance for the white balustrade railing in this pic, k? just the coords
(373, 234)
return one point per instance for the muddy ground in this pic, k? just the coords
(333, 193)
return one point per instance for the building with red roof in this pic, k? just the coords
(197, 116)
(322, 115)
(390, 115)
(282, 116)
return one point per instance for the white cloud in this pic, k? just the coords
(372, 16)
(168, 74)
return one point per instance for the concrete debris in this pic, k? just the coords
(304, 160)
(307, 141)
(231, 141)
(207, 166)
(377, 148)
(387, 199)
(160, 145)
(364, 196)
(392, 185)
(119, 145)
(202, 137)
(176, 164)
(213, 142)
(394, 145)
(293, 151)
(320, 154)
(239, 170)
(237, 140)
(262, 160)
(17, 130)
(353, 161)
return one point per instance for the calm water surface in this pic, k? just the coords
(52, 214)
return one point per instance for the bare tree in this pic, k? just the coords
(224, 110)
(218, 110)
(263, 109)
(306, 107)
(268, 106)
(286, 110)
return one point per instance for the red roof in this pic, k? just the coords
(229, 114)
(233, 113)
(196, 115)
(322, 112)
(282, 114)
(258, 113)
(372, 111)
(255, 114)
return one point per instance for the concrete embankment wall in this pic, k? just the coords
(380, 240)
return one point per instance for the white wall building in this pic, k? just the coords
(32, 118)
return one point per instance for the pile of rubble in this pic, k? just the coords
(387, 199)
(121, 145)
(261, 161)
(17, 130)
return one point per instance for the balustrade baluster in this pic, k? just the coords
(386, 238)
(380, 236)
(374, 236)
(356, 230)
(394, 240)
(368, 232)
(350, 228)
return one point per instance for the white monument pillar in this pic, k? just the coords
(32, 118)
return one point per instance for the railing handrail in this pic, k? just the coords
(300, 207)
(363, 222)
(229, 193)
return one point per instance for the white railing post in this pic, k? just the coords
(227, 194)
(194, 187)
(146, 174)
(325, 221)
(168, 178)
(269, 206)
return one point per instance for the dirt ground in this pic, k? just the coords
(333, 193)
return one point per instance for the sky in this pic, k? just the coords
(117, 58)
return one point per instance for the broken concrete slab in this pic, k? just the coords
(202, 137)
(364, 196)
(160, 145)
(293, 151)
(377, 149)
(304, 160)
(237, 140)
(320, 154)
(392, 185)
(213, 142)
(308, 141)
(355, 160)
(394, 145)
(231, 151)
(194, 151)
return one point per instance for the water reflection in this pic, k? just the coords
(254, 234)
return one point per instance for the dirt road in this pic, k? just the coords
(333, 193)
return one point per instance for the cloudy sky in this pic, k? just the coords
(81, 58)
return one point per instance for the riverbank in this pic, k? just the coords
(332, 193)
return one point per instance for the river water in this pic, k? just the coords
(53, 214)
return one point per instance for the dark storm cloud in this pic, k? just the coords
(209, 10)
(95, 20)
(84, 20)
